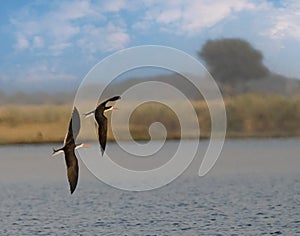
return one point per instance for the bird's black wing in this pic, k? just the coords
(102, 122)
(102, 132)
(115, 98)
(75, 123)
(72, 168)
(72, 173)
(69, 135)
(74, 127)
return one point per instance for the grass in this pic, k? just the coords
(248, 115)
(33, 124)
(263, 116)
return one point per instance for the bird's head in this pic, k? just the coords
(82, 145)
(110, 108)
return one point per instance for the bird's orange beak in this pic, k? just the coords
(85, 145)
(115, 108)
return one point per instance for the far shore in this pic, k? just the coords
(248, 116)
(59, 143)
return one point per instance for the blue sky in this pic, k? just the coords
(51, 45)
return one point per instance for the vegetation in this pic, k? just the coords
(33, 123)
(233, 60)
(248, 115)
(263, 116)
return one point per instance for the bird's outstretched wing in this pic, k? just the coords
(74, 127)
(72, 173)
(75, 123)
(102, 122)
(115, 98)
(72, 169)
(102, 132)
(69, 150)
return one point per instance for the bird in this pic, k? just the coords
(69, 149)
(101, 120)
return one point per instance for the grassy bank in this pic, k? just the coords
(263, 116)
(33, 124)
(247, 116)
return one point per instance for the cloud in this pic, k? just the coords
(102, 26)
(169, 16)
(58, 48)
(66, 24)
(285, 21)
(113, 6)
(21, 41)
(190, 17)
(42, 72)
(38, 42)
(105, 39)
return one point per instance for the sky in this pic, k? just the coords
(51, 45)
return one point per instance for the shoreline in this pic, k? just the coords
(241, 137)
(248, 116)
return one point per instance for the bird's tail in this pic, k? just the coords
(88, 114)
(57, 151)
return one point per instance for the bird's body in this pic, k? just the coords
(101, 120)
(69, 150)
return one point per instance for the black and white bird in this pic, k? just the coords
(69, 149)
(101, 120)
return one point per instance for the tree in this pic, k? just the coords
(233, 60)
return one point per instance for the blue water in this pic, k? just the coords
(238, 197)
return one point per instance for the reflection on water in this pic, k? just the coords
(253, 189)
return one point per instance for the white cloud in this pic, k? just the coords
(99, 26)
(285, 21)
(42, 72)
(22, 41)
(58, 48)
(117, 40)
(106, 39)
(113, 6)
(87, 25)
(69, 23)
(55, 26)
(169, 16)
(74, 10)
(38, 42)
(190, 17)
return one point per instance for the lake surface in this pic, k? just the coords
(254, 189)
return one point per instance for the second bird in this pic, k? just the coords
(101, 120)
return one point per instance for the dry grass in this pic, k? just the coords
(249, 115)
(33, 124)
(263, 116)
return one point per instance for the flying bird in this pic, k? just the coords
(69, 149)
(101, 120)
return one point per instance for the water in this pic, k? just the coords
(253, 190)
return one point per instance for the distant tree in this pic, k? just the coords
(233, 60)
